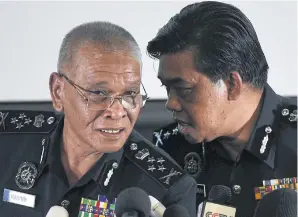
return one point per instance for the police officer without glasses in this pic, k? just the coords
(215, 73)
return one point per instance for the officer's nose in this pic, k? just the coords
(116, 110)
(173, 103)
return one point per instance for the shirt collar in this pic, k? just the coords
(262, 141)
(53, 161)
(270, 110)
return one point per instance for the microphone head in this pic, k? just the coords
(133, 199)
(278, 203)
(176, 210)
(220, 194)
(57, 211)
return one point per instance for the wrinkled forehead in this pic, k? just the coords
(111, 79)
(94, 64)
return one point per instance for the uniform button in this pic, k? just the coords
(115, 165)
(133, 146)
(65, 203)
(237, 189)
(285, 112)
(51, 120)
(268, 130)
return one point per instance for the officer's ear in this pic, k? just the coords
(234, 86)
(56, 90)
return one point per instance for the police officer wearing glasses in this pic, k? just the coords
(84, 154)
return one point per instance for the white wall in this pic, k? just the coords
(31, 33)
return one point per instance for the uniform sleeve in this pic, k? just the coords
(183, 193)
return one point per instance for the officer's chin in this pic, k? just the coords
(190, 139)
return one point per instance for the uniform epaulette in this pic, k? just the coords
(165, 134)
(266, 135)
(188, 155)
(289, 116)
(27, 121)
(154, 162)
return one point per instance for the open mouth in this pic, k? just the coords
(183, 126)
(111, 131)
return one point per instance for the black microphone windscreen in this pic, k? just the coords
(133, 199)
(176, 210)
(278, 203)
(220, 194)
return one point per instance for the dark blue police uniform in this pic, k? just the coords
(268, 162)
(33, 179)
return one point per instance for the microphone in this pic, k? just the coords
(217, 203)
(157, 209)
(132, 202)
(57, 211)
(278, 203)
(176, 210)
(220, 194)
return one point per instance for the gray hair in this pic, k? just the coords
(112, 37)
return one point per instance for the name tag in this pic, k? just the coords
(19, 198)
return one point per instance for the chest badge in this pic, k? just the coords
(193, 164)
(26, 175)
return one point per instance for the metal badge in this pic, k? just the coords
(150, 159)
(265, 140)
(51, 120)
(27, 121)
(141, 155)
(19, 126)
(160, 160)
(115, 165)
(285, 112)
(237, 189)
(293, 116)
(26, 175)
(65, 204)
(39, 119)
(193, 164)
(22, 116)
(13, 120)
(166, 135)
(42, 152)
(158, 137)
(110, 173)
(161, 168)
(20, 121)
(175, 131)
(133, 146)
(3, 116)
(167, 178)
(151, 168)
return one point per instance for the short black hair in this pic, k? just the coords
(221, 38)
(111, 36)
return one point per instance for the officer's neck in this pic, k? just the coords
(235, 142)
(77, 158)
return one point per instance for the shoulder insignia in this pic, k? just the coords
(289, 115)
(19, 121)
(151, 160)
(263, 141)
(161, 135)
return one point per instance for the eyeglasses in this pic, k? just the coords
(98, 101)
